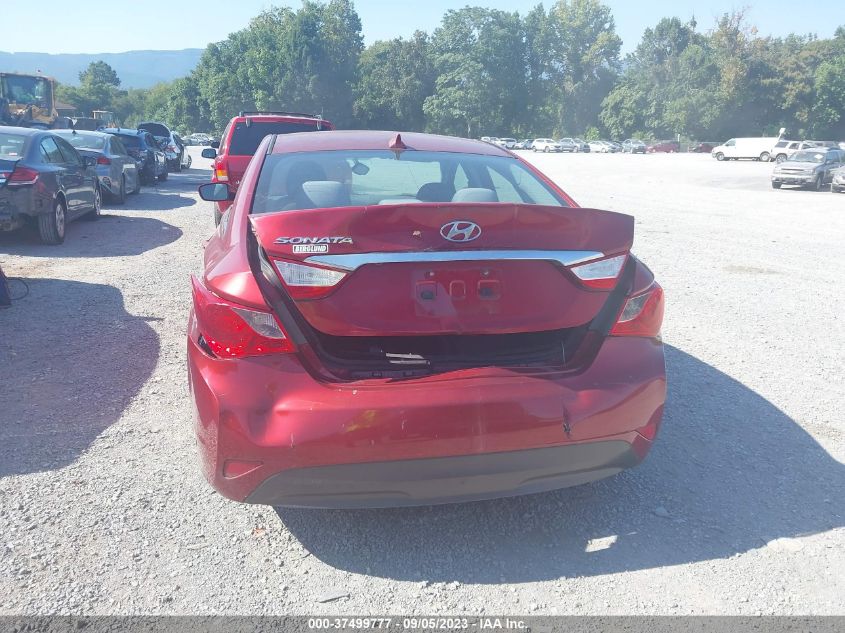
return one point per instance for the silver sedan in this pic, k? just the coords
(116, 169)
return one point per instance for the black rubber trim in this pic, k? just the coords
(439, 480)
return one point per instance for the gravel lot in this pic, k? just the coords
(738, 510)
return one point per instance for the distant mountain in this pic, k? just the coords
(136, 69)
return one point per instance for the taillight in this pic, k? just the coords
(22, 176)
(600, 275)
(642, 314)
(308, 282)
(103, 160)
(221, 172)
(233, 331)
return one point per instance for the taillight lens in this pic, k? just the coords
(103, 160)
(221, 172)
(308, 282)
(642, 314)
(232, 331)
(22, 176)
(600, 275)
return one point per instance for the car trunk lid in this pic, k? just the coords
(426, 269)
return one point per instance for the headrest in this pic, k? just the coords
(326, 193)
(475, 194)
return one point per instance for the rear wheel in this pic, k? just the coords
(51, 226)
(546, 149)
(720, 156)
(765, 157)
(190, 160)
(775, 185)
(137, 188)
(94, 214)
(780, 158)
(163, 176)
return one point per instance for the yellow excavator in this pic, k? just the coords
(29, 101)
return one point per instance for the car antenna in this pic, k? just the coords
(397, 145)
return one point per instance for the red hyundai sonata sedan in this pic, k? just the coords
(388, 320)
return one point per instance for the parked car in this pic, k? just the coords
(370, 284)
(185, 159)
(546, 145)
(525, 143)
(633, 146)
(702, 147)
(582, 145)
(837, 184)
(603, 147)
(784, 149)
(46, 182)
(828, 144)
(568, 145)
(757, 148)
(664, 147)
(116, 169)
(198, 138)
(167, 142)
(508, 143)
(809, 168)
(151, 160)
(241, 138)
(616, 146)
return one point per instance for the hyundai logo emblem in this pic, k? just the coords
(460, 231)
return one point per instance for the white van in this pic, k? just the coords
(759, 148)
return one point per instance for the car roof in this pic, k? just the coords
(380, 139)
(23, 131)
(82, 132)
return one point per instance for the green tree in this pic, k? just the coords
(829, 107)
(479, 58)
(584, 50)
(396, 77)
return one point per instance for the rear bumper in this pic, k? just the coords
(448, 479)
(17, 204)
(269, 432)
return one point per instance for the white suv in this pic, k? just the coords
(546, 145)
(784, 149)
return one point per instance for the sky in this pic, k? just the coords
(169, 24)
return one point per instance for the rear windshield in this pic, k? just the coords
(310, 180)
(130, 141)
(84, 141)
(11, 146)
(245, 140)
(156, 129)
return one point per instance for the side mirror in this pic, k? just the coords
(89, 161)
(215, 192)
(209, 153)
(215, 144)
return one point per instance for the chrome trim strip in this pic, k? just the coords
(353, 261)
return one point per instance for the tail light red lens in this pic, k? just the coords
(308, 282)
(642, 314)
(233, 331)
(600, 275)
(221, 172)
(22, 176)
(103, 160)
